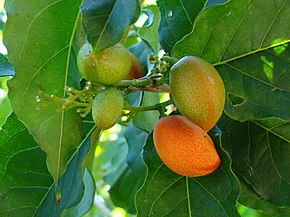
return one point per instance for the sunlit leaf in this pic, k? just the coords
(220, 29)
(149, 32)
(39, 37)
(260, 82)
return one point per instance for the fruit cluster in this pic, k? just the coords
(108, 67)
(182, 142)
(197, 90)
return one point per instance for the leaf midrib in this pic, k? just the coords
(64, 92)
(106, 24)
(250, 53)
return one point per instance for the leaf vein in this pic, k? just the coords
(106, 24)
(168, 187)
(32, 21)
(38, 71)
(212, 196)
(235, 32)
(271, 25)
(251, 76)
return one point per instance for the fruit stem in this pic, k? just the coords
(170, 60)
(150, 84)
(158, 106)
(133, 110)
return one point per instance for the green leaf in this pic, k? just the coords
(214, 2)
(134, 98)
(168, 194)
(124, 189)
(229, 31)
(260, 85)
(136, 139)
(276, 126)
(5, 110)
(132, 172)
(177, 20)
(255, 201)
(122, 168)
(105, 22)
(124, 182)
(146, 120)
(107, 162)
(24, 178)
(87, 201)
(5, 107)
(149, 32)
(70, 184)
(260, 158)
(6, 69)
(39, 37)
(26, 187)
(255, 75)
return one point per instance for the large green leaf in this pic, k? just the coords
(261, 158)
(107, 163)
(177, 20)
(251, 199)
(251, 55)
(104, 22)
(26, 187)
(168, 194)
(5, 109)
(70, 184)
(261, 83)
(24, 178)
(39, 38)
(236, 29)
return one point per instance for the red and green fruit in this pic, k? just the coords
(109, 66)
(136, 70)
(198, 91)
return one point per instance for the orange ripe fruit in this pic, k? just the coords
(184, 147)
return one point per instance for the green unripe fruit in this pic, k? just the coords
(198, 91)
(109, 66)
(107, 108)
